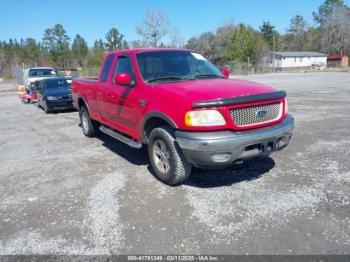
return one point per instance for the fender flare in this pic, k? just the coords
(86, 104)
(156, 114)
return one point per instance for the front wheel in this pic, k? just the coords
(46, 108)
(166, 158)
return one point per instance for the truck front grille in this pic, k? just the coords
(252, 115)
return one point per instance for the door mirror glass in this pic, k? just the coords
(123, 79)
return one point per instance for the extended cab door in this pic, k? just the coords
(122, 102)
(100, 93)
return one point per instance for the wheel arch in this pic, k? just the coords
(82, 102)
(153, 120)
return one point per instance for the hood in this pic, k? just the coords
(57, 92)
(34, 79)
(208, 89)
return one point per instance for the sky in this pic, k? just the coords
(92, 19)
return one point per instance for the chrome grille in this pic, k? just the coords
(253, 115)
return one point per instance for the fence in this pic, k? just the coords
(17, 73)
(89, 71)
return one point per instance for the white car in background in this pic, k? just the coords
(37, 73)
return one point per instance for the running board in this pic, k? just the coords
(120, 137)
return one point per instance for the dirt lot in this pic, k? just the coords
(63, 193)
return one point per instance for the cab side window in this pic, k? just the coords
(124, 66)
(106, 68)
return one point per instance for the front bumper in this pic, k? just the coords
(223, 148)
(59, 104)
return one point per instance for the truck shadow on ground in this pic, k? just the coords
(134, 156)
(247, 171)
(203, 178)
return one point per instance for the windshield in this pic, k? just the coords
(161, 66)
(41, 72)
(57, 83)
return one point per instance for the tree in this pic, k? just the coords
(313, 43)
(56, 42)
(153, 27)
(204, 44)
(221, 43)
(296, 36)
(270, 35)
(32, 52)
(325, 11)
(333, 18)
(246, 45)
(96, 54)
(176, 39)
(115, 40)
(80, 50)
(137, 44)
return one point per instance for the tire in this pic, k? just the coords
(46, 108)
(166, 158)
(89, 126)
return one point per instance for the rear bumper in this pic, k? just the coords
(223, 148)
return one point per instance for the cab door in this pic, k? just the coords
(122, 102)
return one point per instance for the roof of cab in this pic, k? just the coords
(42, 67)
(55, 78)
(140, 50)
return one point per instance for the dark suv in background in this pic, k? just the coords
(54, 94)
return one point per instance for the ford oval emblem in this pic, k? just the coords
(261, 113)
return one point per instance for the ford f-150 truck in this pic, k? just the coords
(184, 109)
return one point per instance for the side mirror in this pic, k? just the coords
(225, 72)
(123, 79)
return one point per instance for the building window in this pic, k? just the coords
(295, 59)
(300, 59)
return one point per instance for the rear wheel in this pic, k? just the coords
(166, 158)
(89, 126)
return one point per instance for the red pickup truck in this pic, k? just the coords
(183, 108)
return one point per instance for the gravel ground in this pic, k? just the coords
(63, 193)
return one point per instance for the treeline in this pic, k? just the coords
(57, 50)
(243, 44)
(230, 43)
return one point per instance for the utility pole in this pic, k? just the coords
(248, 64)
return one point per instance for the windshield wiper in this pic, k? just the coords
(208, 76)
(168, 78)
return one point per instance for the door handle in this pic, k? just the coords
(99, 95)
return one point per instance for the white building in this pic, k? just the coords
(285, 60)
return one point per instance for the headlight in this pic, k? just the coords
(51, 98)
(204, 118)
